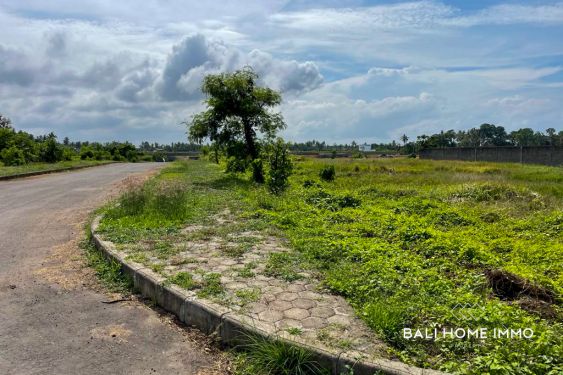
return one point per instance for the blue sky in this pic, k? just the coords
(367, 71)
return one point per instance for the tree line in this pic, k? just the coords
(485, 135)
(20, 147)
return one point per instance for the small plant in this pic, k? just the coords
(184, 280)
(280, 167)
(327, 173)
(283, 265)
(247, 296)
(211, 286)
(279, 357)
(247, 272)
(294, 331)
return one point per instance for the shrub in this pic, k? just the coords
(236, 165)
(280, 167)
(327, 173)
(68, 154)
(50, 151)
(86, 153)
(12, 156)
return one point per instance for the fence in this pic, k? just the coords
(546, 155)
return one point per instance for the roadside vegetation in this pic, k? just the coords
(409, 243)
(21, 152)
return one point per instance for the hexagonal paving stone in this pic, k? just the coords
(340, 319)
(288, 323)
(280, 305)
(295, 288)
(296, 313)
(287, 296)
(270, 316)
(257, 307)
(310, 295)
(313, 323)
(322, 312)
(304, 303)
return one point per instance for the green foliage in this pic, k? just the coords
(211, 286)
(108, 271)
(237, 110)
(12, 156)
(327, 173)
(235, 165)
(280, 167)
(283, 265)
(183, 279)
(50, 151)
(273, 357)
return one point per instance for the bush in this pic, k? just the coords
(236, 165)
(50, 151)
(280, 167)
(327, 173)
(86, 153)
(12, 156)
(68, 154)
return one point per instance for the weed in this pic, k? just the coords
(108, 271)
(294, 331)
(283, 265)
(247, 296)
(211, 286)
(278, 357)
(183, 279)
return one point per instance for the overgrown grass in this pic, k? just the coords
(409, 243)
(261, 356)
(40, 167)
(108, 271)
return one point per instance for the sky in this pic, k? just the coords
(348, 70)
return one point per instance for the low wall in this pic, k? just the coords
(545, 155)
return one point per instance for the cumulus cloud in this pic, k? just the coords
(197, 56)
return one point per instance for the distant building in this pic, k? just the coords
(364, 148)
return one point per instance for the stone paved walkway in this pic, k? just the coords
(298, 309)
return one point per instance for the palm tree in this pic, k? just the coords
(404, 138)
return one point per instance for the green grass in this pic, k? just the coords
(263, 356)
(409, 243)
(108, 271)
(40, 167)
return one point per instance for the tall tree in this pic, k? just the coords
(237, 110)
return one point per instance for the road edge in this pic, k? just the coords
(227, 326)
(49, 171)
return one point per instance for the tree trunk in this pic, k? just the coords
(249, 139)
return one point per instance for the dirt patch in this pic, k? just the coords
(508, 286)
(112, 332)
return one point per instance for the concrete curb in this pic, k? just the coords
(231, 329)
(49, 171)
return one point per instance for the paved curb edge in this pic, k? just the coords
(229, 327)
(49, 171)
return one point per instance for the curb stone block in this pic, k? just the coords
(205, 318)
(172, 298)
(146, 282)
(233, 332)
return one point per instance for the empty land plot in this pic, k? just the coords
(406, 243)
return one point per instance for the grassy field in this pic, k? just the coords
(409, 243)
(40, 167)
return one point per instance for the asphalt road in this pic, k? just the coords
(52, 319)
